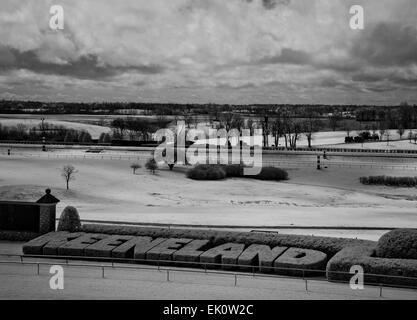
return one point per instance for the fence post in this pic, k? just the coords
(380, 290)
(306, 285)
(38, 269)
(167, 275)
(102, 273)
(235, 279)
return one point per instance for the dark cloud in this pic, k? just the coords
(247, 85)
(271, 4)
(86, 67)
(288, 56)
(387, 44)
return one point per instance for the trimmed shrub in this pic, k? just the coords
(233, 170)
(69, 220)
(218, 172)
(399, 243)
(206, 172)
(328, 245)
(271, 173)
(151, 165)
(389, 181)
(377, 270)
(17, 235)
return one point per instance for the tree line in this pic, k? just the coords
(49, 132)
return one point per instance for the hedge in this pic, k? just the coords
(206, 172)
(328, 245)
(399, 243)
(18, 235)
(389, 181)
(310, 263)
(163, 251)
(376, 270)
(69, 220)
(219, 172)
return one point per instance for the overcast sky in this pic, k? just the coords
(221, 51)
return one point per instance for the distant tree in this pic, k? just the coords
(310, 125)
(151, 165)
(21, 131)
(119, 125)
(104, 138)
(387, 134)
(69, 136)
(68, 173)
(400, 131)
(276, 130)
(334, 120)
(227, 121)
(85, 137)
(135, 166)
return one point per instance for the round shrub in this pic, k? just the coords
(233, 170)
(151, 165)
(206, 172)
(398, 243)
(271, 173)
(69, 220)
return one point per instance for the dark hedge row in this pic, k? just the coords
(328, 245)
(17, 235)
(206, 172)
(389, 181)
(219, 172)
(400, 272)
(399, 243)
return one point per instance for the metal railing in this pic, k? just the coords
(320, 149)
(301, 274)
(266, 162)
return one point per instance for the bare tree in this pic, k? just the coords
(227, 121)
(387, 134)
(334, 120)
(135, 166)
(310, 125)
(347, 127)
(277, 130)
(68, 173)
(400, 131)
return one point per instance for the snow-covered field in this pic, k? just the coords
(107, 190)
